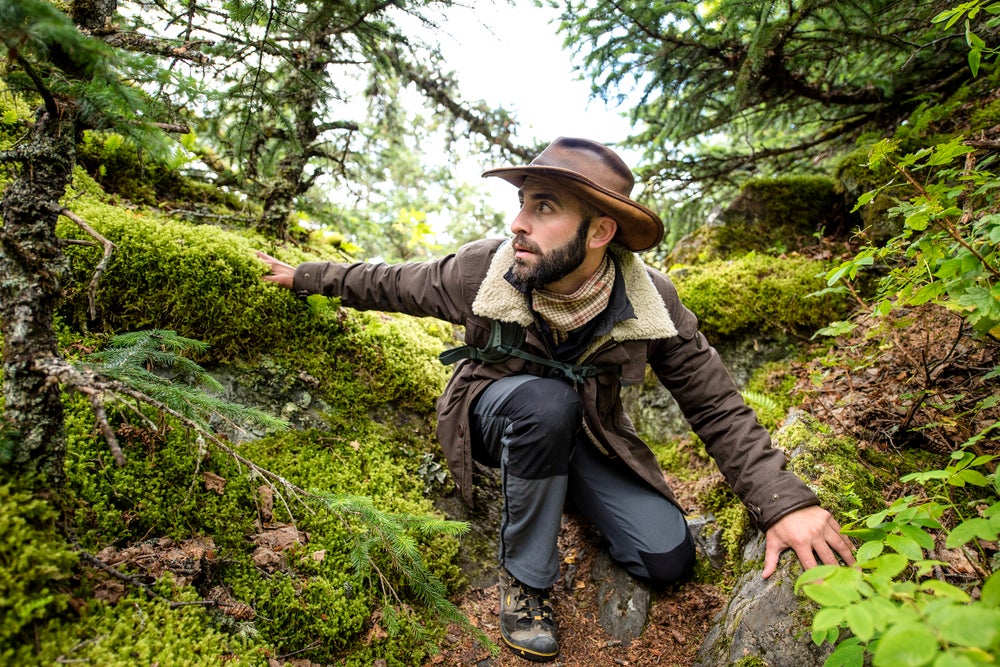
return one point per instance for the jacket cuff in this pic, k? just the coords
(308, 279)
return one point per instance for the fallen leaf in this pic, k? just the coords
(213, 482)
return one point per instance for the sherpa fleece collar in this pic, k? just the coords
(497, 299)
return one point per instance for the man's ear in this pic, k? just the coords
(602, 231)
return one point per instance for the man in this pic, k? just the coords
(557, 320)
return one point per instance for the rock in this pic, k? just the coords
(622, 600)
(764, 619)
(708, 539)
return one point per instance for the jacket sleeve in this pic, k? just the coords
(441, 288)
(690, 368)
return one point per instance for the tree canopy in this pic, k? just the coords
(721, 90)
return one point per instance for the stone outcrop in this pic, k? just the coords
(765, 620)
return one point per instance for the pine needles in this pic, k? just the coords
(392, 534)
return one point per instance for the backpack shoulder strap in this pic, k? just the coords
(505, 342)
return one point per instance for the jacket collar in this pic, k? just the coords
(497, 299)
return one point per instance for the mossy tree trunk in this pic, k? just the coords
(33, 267)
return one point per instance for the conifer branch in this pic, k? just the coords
(97, 405)
(50, 103)
(101, 266)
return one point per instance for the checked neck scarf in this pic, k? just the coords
(566, 312)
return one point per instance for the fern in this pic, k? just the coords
(761, 402)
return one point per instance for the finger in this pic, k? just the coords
(771, 554)
(806, 557)
(825, 554)
(843, 546)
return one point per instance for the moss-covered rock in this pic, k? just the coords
(758, 294)
(771, 216)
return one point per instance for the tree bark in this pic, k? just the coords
(33, 266)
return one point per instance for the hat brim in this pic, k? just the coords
(639, 228)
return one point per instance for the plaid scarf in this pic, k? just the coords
(566, 312)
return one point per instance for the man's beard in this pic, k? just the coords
(551, 266)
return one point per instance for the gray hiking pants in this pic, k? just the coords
(530, 427)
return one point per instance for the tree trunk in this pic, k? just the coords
(33, 267)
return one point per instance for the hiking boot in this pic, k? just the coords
(527, 623)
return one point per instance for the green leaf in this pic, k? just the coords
(839, 589)
(868, 551)
(953, 659)
(925, 540)
(861, 621)
(888, 565)
(943, 589)
(967, 625)
(989, 595)
(828, 617)
(837, 329)
(905, 645)
(973, 477)
(905, 546)
(849, 653)
(968, 530)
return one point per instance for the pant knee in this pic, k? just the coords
(542, 429)
(675, 565)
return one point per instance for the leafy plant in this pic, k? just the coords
(949, 250)
(969, 11)
(896, 604)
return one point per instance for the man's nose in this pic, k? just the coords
(520, 224)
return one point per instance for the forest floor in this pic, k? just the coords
(912, 374)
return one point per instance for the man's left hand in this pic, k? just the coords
(810, 532)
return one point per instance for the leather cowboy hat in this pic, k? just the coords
(596, 174)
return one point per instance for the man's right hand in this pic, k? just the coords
(281, 274)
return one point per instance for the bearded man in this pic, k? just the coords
(557, 320)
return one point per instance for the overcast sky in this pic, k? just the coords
(513, 57)
(516, 60)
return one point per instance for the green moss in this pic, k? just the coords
(831, 466)
(731, 517)
(35, 563)
(751, 661)
(121, 170)
(759, 294)
(140, 631)
(204, 283)
(781, 213)
(317, 594)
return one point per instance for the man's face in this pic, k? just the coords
(550, 233)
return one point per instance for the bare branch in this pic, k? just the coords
(97, 405)
(133, 41)
(101, 266)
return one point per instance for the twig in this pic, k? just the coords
(314, 644)
(101, 266)
(97, 404)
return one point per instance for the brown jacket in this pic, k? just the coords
(469, 288)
